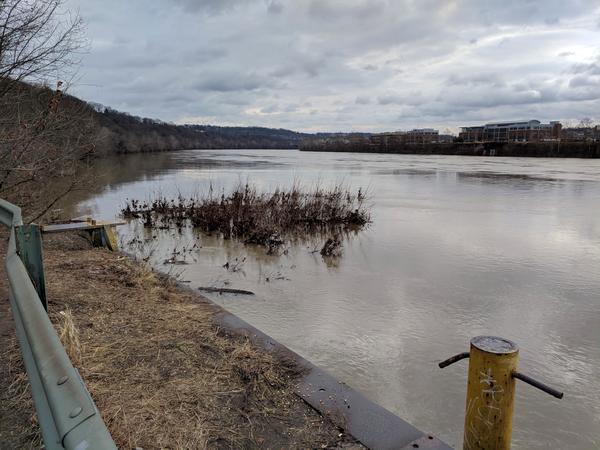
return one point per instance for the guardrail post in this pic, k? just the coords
(104, 237)
(29, 248)
(110, 238)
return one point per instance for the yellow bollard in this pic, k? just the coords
(490, 393)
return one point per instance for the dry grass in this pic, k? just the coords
(162, 374)
(68, 334)
(18, 419)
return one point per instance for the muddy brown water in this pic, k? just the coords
(458, 247)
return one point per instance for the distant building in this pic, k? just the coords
(588, 134)
(446, 138)
(524, 131)
(472, 134)
(384, 140)
(415, 136)
(421, 136)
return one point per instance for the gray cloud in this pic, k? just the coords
(590, 69)
(335, 9)
(582, 80)
(343, 64)
(209, 6)
(275, 7)
(226, 81)
(474, 79)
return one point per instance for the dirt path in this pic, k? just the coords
(161, 372)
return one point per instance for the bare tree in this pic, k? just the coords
(37, 39)
(43, 134)
(586, 122)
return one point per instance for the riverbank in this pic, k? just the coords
(161, 370)
(514, 149)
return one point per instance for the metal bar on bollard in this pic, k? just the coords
(453, 359)
(490, 393)
(538, 384)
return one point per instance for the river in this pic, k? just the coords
(458, 247)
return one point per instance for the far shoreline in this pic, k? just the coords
(579, 150)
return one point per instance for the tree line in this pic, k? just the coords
(119, 132)
(47, 136)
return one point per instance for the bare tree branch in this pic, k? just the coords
(35, 40)
(44, 135)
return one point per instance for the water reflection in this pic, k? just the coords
(458, 247)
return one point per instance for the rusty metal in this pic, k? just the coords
(538, 384)
(453, 359)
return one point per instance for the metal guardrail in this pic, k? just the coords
(66, 413)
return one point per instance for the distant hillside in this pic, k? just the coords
(123, 133)
(112, 131)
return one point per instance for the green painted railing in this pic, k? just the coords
(66, 413)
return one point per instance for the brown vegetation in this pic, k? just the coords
(44, 144)
(43, 136)
(257, 218)
(161, 372)
(332, 247)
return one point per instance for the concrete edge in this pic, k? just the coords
(369, 423)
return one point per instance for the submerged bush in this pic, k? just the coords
(332, 247)
(257, 218)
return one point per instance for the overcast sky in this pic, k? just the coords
(341, 65)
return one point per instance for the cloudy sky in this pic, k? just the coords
(341, 65)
